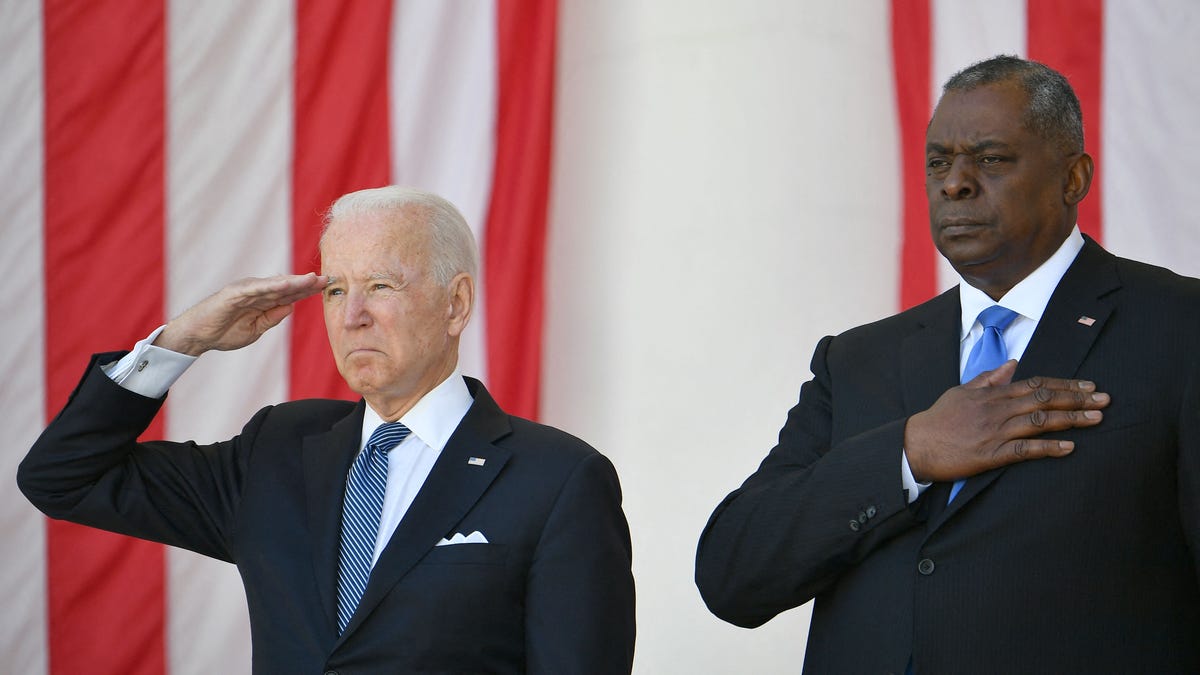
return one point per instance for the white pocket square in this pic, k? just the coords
(475, 537)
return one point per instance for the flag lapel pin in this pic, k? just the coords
(476, 461)
(1086, 320)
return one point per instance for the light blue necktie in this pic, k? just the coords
(365, 485)
(987, 354)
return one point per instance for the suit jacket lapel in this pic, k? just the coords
(1074, 317)
(327, 458)
(1061, 341)
(929, 353)
(929, 357)
(452, 488)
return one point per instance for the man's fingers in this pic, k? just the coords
(1056, 383)
(279, 290)
(1041, 421)
(1061, 399)
(1042, 410)
(276, 314)
(1043, 393)
(1022, 449)
(991, 421)
(995, 377)
(1001, 379)
(302, 285)
(238, 314)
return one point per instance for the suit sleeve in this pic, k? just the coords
(810, 510)
(87, 467)
(1189, 466)
(580, 596)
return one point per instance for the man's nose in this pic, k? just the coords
(356, 311)
(960, 181)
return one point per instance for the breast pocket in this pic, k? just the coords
(466, 554)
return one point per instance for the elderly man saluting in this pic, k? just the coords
(419, 530)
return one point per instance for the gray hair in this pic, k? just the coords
(1052, 111)
(451, 243)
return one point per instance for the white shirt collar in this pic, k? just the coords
(1031, 295)
(434, 418)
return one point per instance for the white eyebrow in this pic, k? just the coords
(399, 280)
(331, 280)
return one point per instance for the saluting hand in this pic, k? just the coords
(238, 314)
(991, 421)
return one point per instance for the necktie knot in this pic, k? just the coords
(387, 436)
(996, 317)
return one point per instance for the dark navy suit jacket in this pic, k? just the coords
(551, 592)
(1083, 564)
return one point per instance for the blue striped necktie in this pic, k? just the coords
(365, 485)
(987, 354)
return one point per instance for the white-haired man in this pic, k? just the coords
(421, 529)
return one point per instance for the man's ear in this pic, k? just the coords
(1079, 179)
(462, 301)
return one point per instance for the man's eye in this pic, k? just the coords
(379, 287)
(990, 159)
(936, 163)
(331, 292)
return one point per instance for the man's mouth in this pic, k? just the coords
(959, 226)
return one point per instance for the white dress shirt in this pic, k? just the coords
(150, 371)
(432, 420)
(1028, 299)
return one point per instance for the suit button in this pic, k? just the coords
(854, 525)
(862, 518)
(331, 672)
(925, 566)
(871, 512)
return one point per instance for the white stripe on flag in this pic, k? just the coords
(22, 358)
(963, 32)
(1151, 96)
(966, 31)
(443, 117)
(229, 113)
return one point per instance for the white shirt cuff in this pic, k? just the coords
(148, 370)
(911, 487)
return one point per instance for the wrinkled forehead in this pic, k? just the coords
(404, 228)
(377, 242)
(986, 114)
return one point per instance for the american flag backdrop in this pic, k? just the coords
(153, 150)
(162, 149)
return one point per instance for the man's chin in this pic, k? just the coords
(965, 252)
(362, 381)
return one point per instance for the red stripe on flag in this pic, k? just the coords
(912, 63)
(514, 249)
(104, 191)
(341, 145)
(1069, 37)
